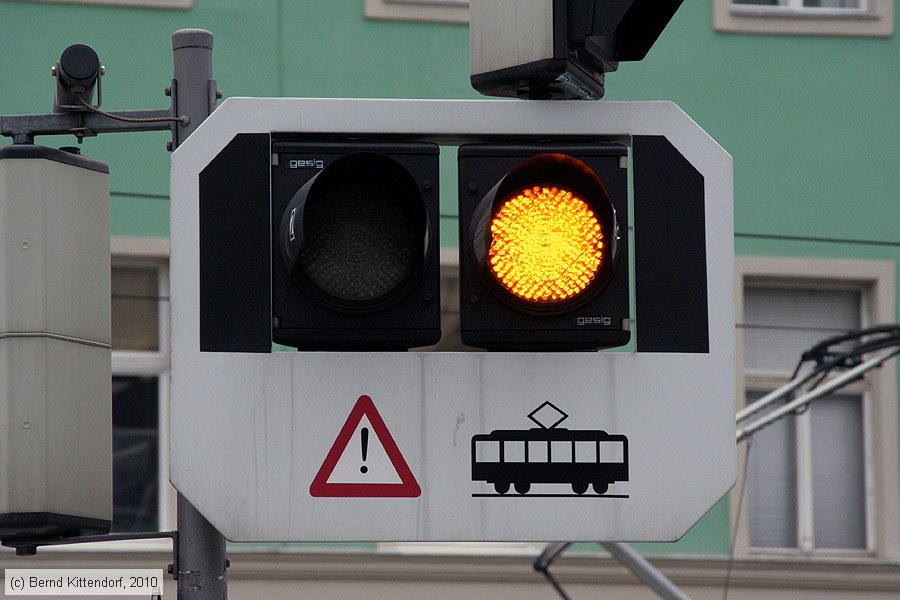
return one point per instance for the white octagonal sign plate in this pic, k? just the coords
(327, 446)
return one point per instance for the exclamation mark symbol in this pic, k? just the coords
(364, 438)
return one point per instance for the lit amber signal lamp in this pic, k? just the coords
(540, 264)
(551, 235)
(546, 244)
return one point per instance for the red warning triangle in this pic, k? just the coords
(364, 484)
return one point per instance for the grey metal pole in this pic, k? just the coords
(201, 556)
(201, 549)
(193, 89)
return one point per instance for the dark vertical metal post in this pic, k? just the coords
(201, 552)
(193, 90)
(201, 556)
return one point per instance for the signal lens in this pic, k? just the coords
(547, 245)
(363, 238)
(355, 236)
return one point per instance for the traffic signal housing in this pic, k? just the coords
(559, 49)
(320, 244)
(355, 253)
(57, 459)
(543, 246)
(254, 290)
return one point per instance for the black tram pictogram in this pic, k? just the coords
(581, 459)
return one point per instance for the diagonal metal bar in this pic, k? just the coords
(636, 563)
(824, 389)
(646, 572)
(545, 559)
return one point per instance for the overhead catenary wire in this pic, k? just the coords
(827, 359)
(884, 338)
(737, 521)
(818, 392)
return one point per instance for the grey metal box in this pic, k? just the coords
(55, 396)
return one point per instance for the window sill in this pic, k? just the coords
(803, 13)
(877, 20)
(428, 10)
(836, 555)
(160, 4)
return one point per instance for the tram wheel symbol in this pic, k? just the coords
(582, 459)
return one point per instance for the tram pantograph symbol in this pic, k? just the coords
(578, 458)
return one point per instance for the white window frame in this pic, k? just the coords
(169, 4)
(797, 7)
(442, 11)
(875, 18)
(134, 363)
(876, 281)
(154, 253)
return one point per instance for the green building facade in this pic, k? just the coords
(804, 98)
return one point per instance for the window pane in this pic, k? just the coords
(487, 451)
(463, 2)
(806, 3)
(135, 308)
(537, 451)
(560, 451)
(139, 3)
(514, 451)
(833, 3)
(838, 471)
(135, 453)
(612, 452)
(772, 483)
(586, 452)
(780, 323)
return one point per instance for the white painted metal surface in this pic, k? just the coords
(55, 415)
(251, 431)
